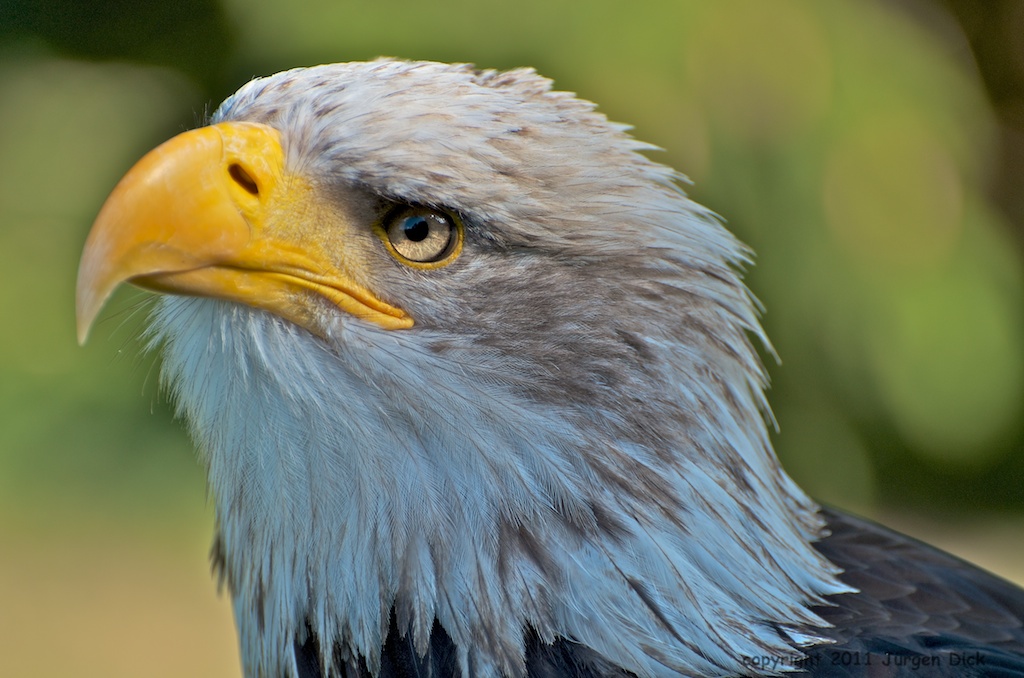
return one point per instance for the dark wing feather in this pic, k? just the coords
(920, 611)
(399, 659)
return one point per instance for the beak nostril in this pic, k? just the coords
(243, 178)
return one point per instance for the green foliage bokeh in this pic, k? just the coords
(848, 144)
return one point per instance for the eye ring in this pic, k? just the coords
(421, 237)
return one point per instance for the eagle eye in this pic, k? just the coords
(421, 236)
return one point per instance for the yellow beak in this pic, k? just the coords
(213, 213)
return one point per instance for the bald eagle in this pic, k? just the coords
(476, 388)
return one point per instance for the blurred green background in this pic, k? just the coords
(871, 152)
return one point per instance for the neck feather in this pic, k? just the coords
(346, 488)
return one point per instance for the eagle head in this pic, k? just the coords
(458, 356)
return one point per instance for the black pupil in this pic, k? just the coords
(416, 229)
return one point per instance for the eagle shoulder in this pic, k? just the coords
(919, 611)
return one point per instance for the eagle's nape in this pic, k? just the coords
(475, 388)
